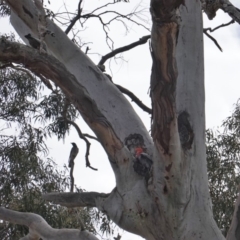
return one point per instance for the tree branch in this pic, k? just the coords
(134, 98)
(214, 29)
(220, 26)
(90, 136)
(213, 39)
(232, 11)
(77, 17)
(112, 203)
(83, 199)
(142, 40)
(39, 228)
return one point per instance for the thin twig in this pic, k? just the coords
(90, 136)
(128, 17)
(220, 26)
(88, 144)
(213, 39)
(142, 40)
(135, 99)
(214, 29)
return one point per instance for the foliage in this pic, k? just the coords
(25, 170)
(24, 177)
(4, 9)
(223, 158)
(21, 102)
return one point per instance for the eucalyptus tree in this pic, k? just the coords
(161, 179)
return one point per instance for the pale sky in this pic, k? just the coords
(222, 84)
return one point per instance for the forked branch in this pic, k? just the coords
(214, 29)
(212, 38)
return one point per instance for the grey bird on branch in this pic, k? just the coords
(73, 154)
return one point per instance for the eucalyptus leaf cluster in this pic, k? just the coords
(223, 159)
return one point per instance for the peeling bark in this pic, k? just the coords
(164, 71)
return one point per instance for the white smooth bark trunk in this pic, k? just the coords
(191, 98)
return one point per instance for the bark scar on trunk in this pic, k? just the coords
(163, 81)
(185, 130)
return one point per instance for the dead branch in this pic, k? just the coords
(142, 40)
(77, 17)
(99, 15)
(214, 29)
(90, 136)
(39, 228)
(212, 38)
(117, 17)
(134, 98)
(220, 26)
(83, 199)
